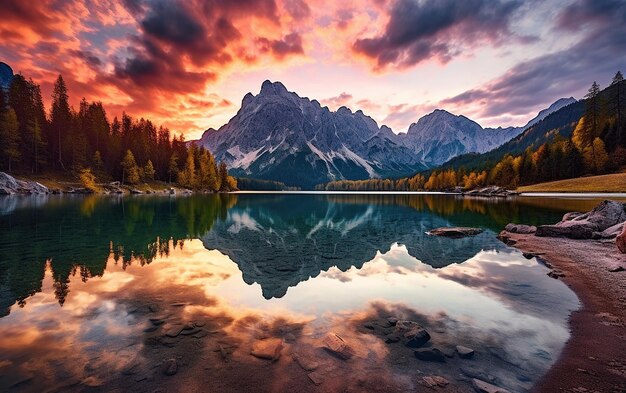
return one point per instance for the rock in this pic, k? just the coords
(10, 186)
(392, 338)
(492, 191)
(616, 269)
(519, 228)
(268, 348)
(433, 381)
(392, 321)
(609, 233)
(464, 352)
(556, 274)
(172, 191)
(170, 367)
(484, 387)
(307, 362)
(572, 232)
(412, 333)
(620, 241)
(454, 232)
(504, 237)
(337, 346)
(570, 216)
(583, 226)
(135, 191)
(430, 355)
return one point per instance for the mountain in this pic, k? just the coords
(440, 136)
(557, 105)
(280, 136)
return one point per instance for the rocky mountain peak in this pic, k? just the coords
(273, 88)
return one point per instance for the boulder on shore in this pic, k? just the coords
(454, 232)
(609, 233)
(583, 226)
(11, 186)
(519, 228)
(491, 191)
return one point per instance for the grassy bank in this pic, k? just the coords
(604, 183)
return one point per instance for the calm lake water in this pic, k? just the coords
(95, 292)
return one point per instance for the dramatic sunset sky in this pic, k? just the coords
(187, 64)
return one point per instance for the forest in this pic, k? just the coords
(597, 145)
(83, 143)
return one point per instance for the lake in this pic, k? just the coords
(159, 293)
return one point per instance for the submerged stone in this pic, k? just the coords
(484, 387)
(430, 355)
(337, 346)
(268, 348)
(454, 232)
(464, 352)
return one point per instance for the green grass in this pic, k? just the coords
(604, 183)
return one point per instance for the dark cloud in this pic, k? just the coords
(298, 9)
(442, 29)
(289, 45)
(537, 82)
(173, 23)
(89, 58)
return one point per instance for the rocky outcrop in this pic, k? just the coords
(583, 226)
(455, 232)
(12, 186)
(609, 233)
(491, 191)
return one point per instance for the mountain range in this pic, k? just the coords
(278, 135)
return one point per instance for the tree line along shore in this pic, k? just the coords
(86, 146)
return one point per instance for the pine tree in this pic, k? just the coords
(223, 176)
(60, 118)
(9, 137)
(187, 177)
(130, 170)
(148, 171)
(172, 167)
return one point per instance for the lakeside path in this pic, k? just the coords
(594, 358)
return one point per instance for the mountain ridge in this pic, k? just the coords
(280, 136)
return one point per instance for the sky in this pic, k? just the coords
(188, 64)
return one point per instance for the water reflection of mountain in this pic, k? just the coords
(277, 240)
(78, 234)
(280, 241)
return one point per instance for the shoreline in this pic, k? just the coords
(593, 357)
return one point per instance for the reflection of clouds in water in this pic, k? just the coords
(97, 322)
